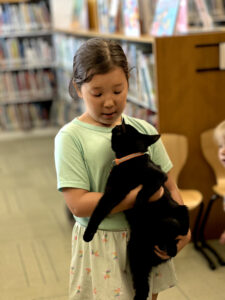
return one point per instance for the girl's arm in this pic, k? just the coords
(82, 202)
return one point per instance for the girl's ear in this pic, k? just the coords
(78, 90)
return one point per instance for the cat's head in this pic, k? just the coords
(126, 140)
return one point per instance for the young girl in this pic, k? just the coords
(83, 158)
(219, 134)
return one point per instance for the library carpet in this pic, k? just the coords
(35, 233)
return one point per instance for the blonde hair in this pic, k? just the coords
(219, 132)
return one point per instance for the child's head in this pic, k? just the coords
(219, 134)
(100, 78)
(97, 56)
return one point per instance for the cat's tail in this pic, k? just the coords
(103, 208)
(89, 233)
(95, 219)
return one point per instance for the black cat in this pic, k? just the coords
(151, 223)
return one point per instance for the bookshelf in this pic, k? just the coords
(27, 68)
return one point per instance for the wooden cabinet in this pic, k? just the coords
(191, 99)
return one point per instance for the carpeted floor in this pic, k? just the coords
(35, 233)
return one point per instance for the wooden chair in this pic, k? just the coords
(177, 149)
(210, 152)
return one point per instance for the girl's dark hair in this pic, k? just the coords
(96, 56)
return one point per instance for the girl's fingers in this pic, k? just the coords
(160, 253)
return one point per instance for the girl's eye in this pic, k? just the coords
(97, 95)
(117, 92)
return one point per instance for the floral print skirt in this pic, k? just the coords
(100, 269)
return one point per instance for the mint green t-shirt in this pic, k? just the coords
(83, 159)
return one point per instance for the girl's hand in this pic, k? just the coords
(183, 241)
(157, 195)
(162, 254)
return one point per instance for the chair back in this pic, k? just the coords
(210, 152)
(177, 149)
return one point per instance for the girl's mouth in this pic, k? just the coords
(108, 115)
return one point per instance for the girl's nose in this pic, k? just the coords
(108, 102)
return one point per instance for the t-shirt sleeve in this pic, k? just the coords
(158, 152)
(71, 170)
(160, 156)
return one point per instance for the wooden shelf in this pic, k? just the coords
(21, 67)
(26, 33)
(117, 36)
(32, 133)
(13, 1)
(29, 99)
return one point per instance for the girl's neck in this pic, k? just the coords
(85, 117)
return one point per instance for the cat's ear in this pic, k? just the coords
(123, 126)
(151, 139)
(155, 138)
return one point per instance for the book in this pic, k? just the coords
(23, 8)
(93, 14)
(204, 15)
(45, 13)
(6, 18)
(80, 19)
(1, 19)
(146, 14)
(217, 7)
(146, 82)
(114, 15)
(164, 21)
(131, 18)
(182, 18)
(103, 16)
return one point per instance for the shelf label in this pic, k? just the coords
(222, 56)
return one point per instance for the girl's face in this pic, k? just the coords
(221, 150)
(105, 98)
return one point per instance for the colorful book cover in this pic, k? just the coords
(103, 16)
(131, 18)
(165, 17)
(182, 19)
(80, 14)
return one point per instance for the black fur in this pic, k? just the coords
(151, 223)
